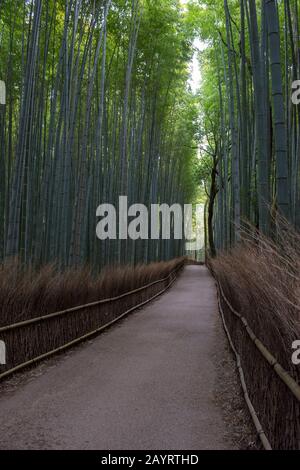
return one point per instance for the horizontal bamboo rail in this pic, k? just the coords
(280, 371)
(83, 307)
(261, 433)
(283, 375)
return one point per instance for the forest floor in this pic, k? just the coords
(163, 378)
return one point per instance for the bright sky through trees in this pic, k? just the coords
(195, 70)
(194, 67)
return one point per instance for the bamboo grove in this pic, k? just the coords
(250, 129)
(97, 106)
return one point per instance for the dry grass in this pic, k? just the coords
(27, 294)
(261, 280)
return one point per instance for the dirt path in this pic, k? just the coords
(147, 383)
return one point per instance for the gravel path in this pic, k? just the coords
(147, 383)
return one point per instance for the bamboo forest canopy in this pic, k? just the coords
(250, 115)
(97, 105)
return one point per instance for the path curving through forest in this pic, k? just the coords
(147, 383)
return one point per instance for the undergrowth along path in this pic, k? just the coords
(147, 383)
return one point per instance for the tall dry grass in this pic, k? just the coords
(25, 293)
(261, 279)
